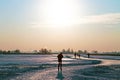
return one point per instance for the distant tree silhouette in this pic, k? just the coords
(80, 52)
(95, 52)
(45, 51)
(4, 52)
(35, 51)
(68, 51)
(72, 51)
(8, 51)
(49, 51)
(63, 51)
(85, 52)
(16, 51)
(0, 51)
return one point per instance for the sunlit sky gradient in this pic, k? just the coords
(57, 24)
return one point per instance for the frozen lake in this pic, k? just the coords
(26, 59)
(43, 59)
(32, 59)
(23, 67)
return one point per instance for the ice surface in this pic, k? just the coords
(44, 67)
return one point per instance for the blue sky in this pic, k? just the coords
(99, 6)
(18, 8)
(23, 24)
(103, 6)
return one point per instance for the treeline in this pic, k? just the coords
(10, 51)
(94, 52)
(45, 51)
(64, 51)
(42, 51)
(109, 53)
(17, 51)
(68, 51)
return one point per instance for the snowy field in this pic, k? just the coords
(44, 67)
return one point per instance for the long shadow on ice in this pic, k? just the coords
(60, 75)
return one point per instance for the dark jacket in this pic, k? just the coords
(60, 56)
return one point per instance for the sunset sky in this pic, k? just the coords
(57, 24)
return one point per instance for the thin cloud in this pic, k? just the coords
(112, 18)
(103, 19)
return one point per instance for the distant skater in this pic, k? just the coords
(79, 56)
(75, 55)
(88, 55)
(60, 56)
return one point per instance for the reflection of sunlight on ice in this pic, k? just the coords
(109, 62)
(67, 59)
(64, 61)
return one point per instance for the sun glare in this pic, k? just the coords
(60, 12)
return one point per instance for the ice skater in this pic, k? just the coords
(75, 54)
(79, 56)
(88, 55)
(60, 56)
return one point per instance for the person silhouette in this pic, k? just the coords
(79, 56)
(60, 56)
(75, 55)
(88, 55)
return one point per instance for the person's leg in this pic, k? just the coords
(58, 65)
(61, 66)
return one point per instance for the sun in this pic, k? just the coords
(60, 12)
